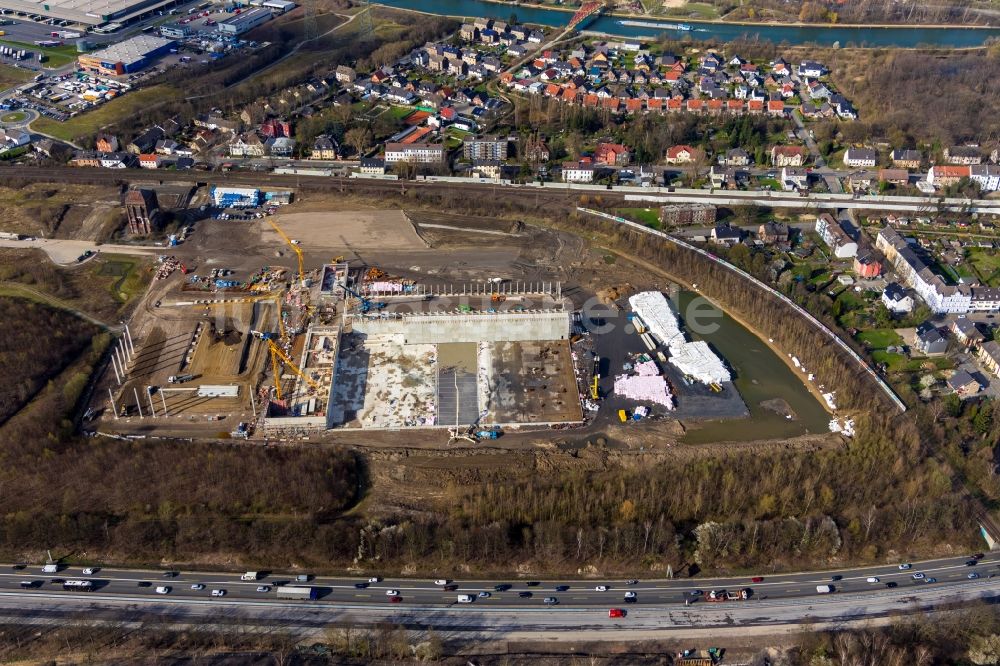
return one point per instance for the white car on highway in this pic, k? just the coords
(375, 579)
(163, 589)
(89, 571)
(917, 576)
(263, 588)
(904, 567)
(197, 586)
(601, 588)
(392, 593)
(442, 581)
(873, 579)
(630, 595)
(218, 593)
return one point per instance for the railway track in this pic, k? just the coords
(86, 176)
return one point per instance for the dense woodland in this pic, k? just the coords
(28, 362)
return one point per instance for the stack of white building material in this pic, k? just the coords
(644, 389)
(655, 312)
(697, 360)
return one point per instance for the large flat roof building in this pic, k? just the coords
(237, 25)
(88, 12)
(126, 57)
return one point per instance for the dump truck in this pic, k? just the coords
(297, 592)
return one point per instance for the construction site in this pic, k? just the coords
(251, 330)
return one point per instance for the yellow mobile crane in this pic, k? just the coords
(292, 244)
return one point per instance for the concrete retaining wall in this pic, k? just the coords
(473, 327)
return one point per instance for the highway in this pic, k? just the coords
(778, 599)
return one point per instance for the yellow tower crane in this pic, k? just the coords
(292, 244)
(276, 354)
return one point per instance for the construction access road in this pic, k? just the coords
(779, 599)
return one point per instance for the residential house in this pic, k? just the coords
(578, 172)
(861, 157)
(421, 153)
(723, 234)
(535, 150)
(680, 155)
(862, 180)
(117, 160)
(943, 176)
(897, 299)
(146, 142)
(485, 148)
(987, 176)
(930, 340)
(247, 144)
(962, 383)
(324, 148)
(773, 233)
(894, 176)
(794, 179)
(612, 154)
(835, 237)
(906, 158)
(791, 156)
(149, 161)
(345, 75)
(735, 157)
(811, 69)
(372, 166)
(107, 143)
(964, 155)
(280, 146)
(487, 169)
(676, 215)
(967, 332)
(85, 158)
(989, 356)
(867, 264)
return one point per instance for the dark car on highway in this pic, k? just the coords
(891, 584)
(524, 595)
(502, 587)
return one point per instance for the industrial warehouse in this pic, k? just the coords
(87, 12)
(126, 57)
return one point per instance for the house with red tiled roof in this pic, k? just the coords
(611, 103)
(776, 107)
(695, 105)
(633, 105)
(734, 105)
(675, 104)
(612, 154)
(755, 106)
(680, 155)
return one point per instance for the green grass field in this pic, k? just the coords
(13, 117)
(987, 263)
(648, 216)
(880, 338)
(90, 122)
(58, 55)
(13, 76)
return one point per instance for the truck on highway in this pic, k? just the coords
(78, 585)
(179, 379)
(297, 592)
(824, 589)
(250, 575)
(724, 595)
(51, 567)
